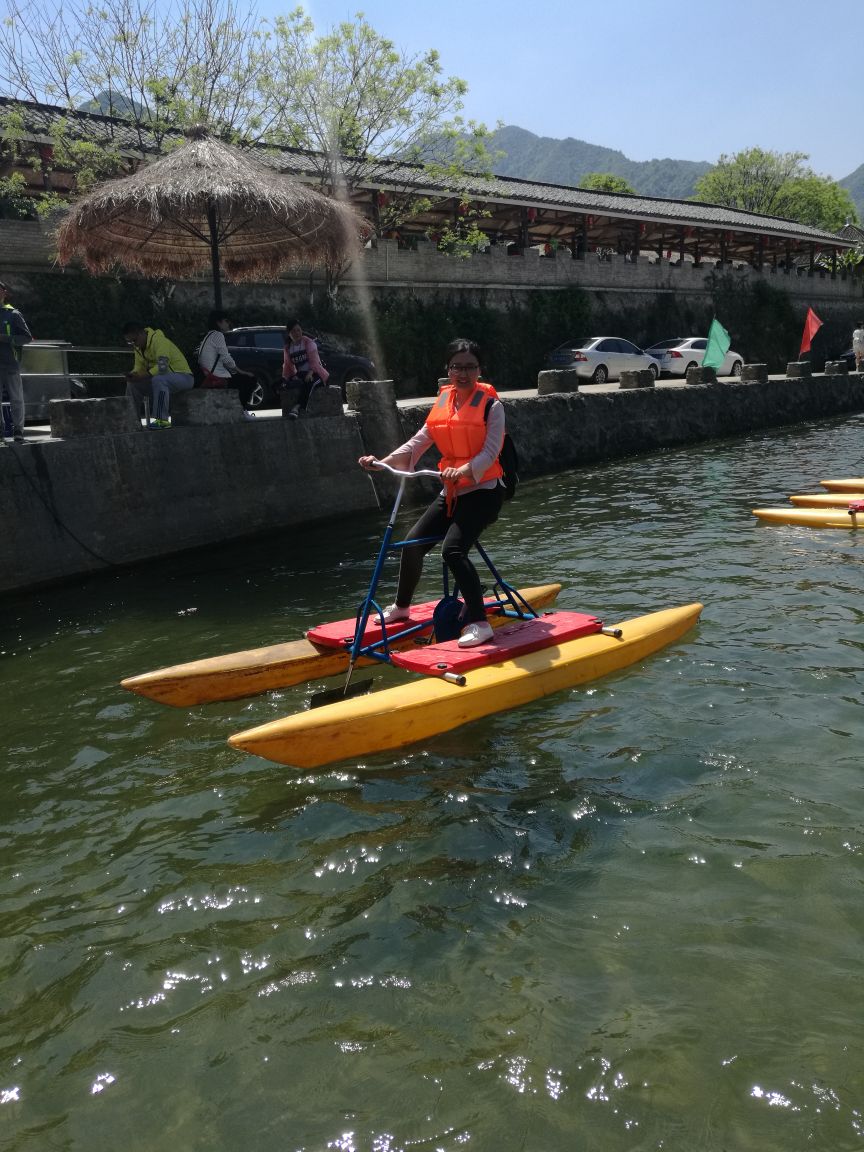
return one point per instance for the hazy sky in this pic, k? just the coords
(687, 79)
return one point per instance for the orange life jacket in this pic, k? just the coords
(460, 434)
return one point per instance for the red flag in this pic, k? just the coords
(812, 324)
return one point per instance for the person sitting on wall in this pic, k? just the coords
(215, 362)
(160, 368)
(302, 369)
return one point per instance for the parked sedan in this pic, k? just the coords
(260, 349)
(601, 358)
(683, 352)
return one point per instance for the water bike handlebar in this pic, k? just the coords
(379, 464)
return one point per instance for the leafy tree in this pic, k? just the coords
(819, 201)
(164, 68)
(606, 182)
(776, 184)
(364, 109)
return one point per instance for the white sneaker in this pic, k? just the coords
(393, 612)
(474, 634)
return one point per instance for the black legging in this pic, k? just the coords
(473, 512)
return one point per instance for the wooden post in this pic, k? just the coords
(788, 257)
(760, 253)
(682, 237)
(833, 263)
(812, 258)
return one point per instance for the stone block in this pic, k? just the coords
(558, 380)
(324, 401)
(640, 378)
(206, 406)
(836, 368)
(701, 375)
(102, 416)
(754, 373)
(799, 370)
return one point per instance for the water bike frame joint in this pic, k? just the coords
(505, 599)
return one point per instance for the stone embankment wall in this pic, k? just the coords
(79, 505)
(69, 507)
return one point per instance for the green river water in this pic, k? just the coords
(624, 917)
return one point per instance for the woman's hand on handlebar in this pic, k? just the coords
(456, 473)
(368, 463)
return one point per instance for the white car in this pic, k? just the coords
(601, 358)
(676, 356)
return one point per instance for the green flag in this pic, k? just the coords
(718, 346)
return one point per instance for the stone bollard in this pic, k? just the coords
(754, 374)
(202, 406)
(100, 416)
(324, 401)
(836, 368)
(799, 370)
(701, 375)
(639, 378)
(558, 380)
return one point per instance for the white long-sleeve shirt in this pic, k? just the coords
(213, 355)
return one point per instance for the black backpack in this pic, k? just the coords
(508, 458)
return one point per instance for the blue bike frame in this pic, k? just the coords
(505, 598)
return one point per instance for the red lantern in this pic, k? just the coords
(383, 199)
(532, 215)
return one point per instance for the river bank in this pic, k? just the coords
(91, 502)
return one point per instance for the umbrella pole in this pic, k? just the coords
(214, 254)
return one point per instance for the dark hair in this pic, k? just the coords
(132, 326)
(215, 318)
(289, 324)
(463, 345)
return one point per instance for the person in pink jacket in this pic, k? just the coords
(302, 369)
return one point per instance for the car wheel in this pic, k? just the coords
(255, 394)
(601, 374)
(736, 368)
(692, 364)
(654, 370)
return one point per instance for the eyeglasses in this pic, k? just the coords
(462, 369)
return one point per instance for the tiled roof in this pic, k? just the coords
(501, 190)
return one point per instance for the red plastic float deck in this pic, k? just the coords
(340, 634)
(516, 639)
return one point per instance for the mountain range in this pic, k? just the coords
(569, 161)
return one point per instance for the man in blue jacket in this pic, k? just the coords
(14, 334)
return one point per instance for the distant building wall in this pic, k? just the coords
(27, 246)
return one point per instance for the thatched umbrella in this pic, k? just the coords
(208, 204)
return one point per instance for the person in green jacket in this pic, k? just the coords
(160, 368)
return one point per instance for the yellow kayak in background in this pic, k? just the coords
(257, 670)
(825, 499)
(811, 517)
(395, 717)
(854, 485)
